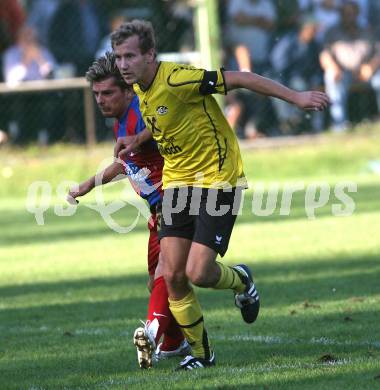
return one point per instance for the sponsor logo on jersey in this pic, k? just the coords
(152, 121)
(170, 147)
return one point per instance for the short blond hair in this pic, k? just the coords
(141, 28)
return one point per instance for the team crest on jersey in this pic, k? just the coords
(162, 110)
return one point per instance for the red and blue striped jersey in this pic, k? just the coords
(143, 167)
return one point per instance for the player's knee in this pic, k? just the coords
(175, 278)
(197, 278)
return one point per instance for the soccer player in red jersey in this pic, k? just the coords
(143, 167)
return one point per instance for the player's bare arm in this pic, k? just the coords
(128, 144)
(308, 100)
(108, 174)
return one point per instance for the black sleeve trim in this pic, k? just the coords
(171, 84)
(224, 80)
(209, 83)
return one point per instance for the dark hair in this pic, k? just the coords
(142, 28)
(103, 68)
(350, 4)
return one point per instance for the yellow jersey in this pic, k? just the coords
(198, 145)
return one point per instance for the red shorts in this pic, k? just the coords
(153, 244)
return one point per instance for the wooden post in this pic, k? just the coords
(89, 117)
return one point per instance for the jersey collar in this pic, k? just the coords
(154, 78)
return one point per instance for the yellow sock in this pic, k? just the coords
(188, 314)
(229, 279)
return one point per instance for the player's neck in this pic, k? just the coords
(148, 79)
(121, 115)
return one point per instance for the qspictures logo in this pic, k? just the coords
(40, 198)
(265, 200)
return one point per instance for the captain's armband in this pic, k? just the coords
(213, 82)
(209, 83)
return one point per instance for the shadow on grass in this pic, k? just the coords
(306, 285)
(58, 355)
(130, 283)
(60, 371)
(282, 282)
(23, 228)
(87, 224)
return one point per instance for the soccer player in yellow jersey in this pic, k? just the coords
(202, 178)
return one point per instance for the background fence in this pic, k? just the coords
(282, 39)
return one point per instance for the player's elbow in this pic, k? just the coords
(231, 80)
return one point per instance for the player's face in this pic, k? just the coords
(111, 99)
(133, 65)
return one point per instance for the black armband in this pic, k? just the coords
(209, 81)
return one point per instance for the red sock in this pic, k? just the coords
(173, 337)
(158, 309)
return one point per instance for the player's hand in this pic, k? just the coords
(76, 191)
(311, 100)
(71, 200)
(126, 145)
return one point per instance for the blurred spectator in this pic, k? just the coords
(288, 14)
(27, 59)
(325, 12)
(363, 17)
(32, 114)
(374, 17)
(74, 34)
(295, 63)
(40, 15)
(178, 18)
(251, 23)
(12, 17)
(116, 18)
(350, 54)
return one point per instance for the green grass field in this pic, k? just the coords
(72, 291)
